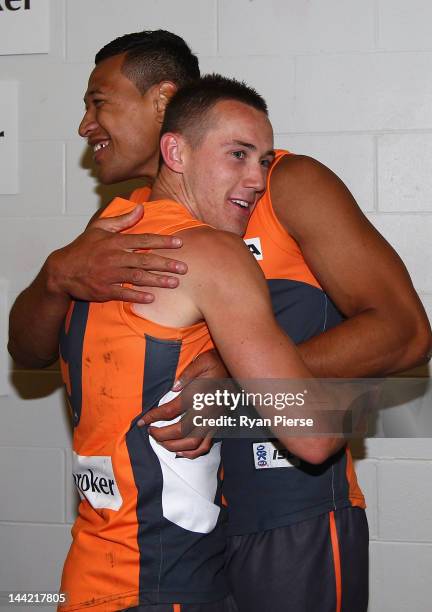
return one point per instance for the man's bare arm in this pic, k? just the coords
(91, 268)
(233, 299)
(386, 328)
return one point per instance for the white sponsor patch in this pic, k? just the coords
(255, 247)
(189, 485)
(95, 481)
(267, 455)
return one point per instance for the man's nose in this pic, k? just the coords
(88, 124)
(256, 177)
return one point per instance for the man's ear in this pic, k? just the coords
(164, 93)
(172, 148)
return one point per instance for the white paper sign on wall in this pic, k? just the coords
(8, 137)
(24, 26)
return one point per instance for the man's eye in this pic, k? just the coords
(98, 102)
(266, 163)
(239, 154)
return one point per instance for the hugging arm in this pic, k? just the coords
(91, 268)
(386, 329)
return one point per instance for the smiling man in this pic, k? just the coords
(338, 290)
(153, 536)
(124, 143)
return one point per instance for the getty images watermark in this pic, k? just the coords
(392, 407)
(234, 400)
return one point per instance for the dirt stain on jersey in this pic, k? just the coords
(110, 558)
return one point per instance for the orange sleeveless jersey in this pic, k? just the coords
(265, 498)
(149, 526)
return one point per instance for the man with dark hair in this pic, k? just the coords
(149, 530)
(185, 111)
(127, 104)
(150, 54)
(307, 233)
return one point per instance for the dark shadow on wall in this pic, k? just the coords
(40, 384)
(358, 449)
(36, 384)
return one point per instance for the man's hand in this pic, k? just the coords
(177, 437)
(93, 267)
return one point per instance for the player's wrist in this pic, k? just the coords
(53, 278)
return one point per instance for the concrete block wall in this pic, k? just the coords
(347, 82)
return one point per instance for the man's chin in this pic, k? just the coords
(111, 176)
(106, 176)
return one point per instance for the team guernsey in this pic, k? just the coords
(281, 490)
(150, 528)
(299, 535)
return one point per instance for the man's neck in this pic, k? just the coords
(169, 185)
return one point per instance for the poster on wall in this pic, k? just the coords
(24, 26)
(4, 383)
(8, 137)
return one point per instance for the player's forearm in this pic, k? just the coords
(313, 450)
(369, 344)
(35, 322)
(324, 417)
(285, 373)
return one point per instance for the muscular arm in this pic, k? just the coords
(90, 268)
(233, 299)
(386, 328)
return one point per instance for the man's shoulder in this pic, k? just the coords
(213, 256)
(206, 241)
(304, 191)
(300, 169)
(220, 267)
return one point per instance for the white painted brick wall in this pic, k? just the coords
(263, 73)
(286, 26)
(351, 157)
(405, 172)
(91, 26)
(43, 484)
(41, 182)
(399, 448)
(347, 82)
(363, 92)
(405, 518)
(404, 25)
(411, 237)
(400, 577)
(427, 303)
(32, 561)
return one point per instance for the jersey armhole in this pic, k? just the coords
(275, 230)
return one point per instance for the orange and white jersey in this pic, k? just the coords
(150, 525)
